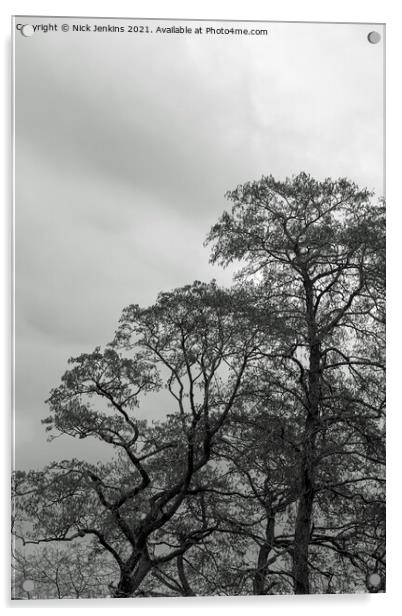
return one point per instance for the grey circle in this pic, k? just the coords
(28, 585)
(27, 30)
(374, 580)
(374, 37)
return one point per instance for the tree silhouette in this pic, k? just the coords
(192, 343)
(316, 251)
(264, 472)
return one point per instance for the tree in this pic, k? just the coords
(72, 570)
(264, 472)
(316, 251)
(193, 343)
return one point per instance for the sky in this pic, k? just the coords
(125, 145)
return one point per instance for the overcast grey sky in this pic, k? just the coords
(125, 146)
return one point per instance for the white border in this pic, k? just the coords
(378, 11)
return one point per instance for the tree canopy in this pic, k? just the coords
(264, 472)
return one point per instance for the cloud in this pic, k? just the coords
(125, 146)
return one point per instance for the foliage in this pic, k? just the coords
(265, 470)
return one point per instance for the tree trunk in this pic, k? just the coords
(130, 580)
(263, 554)
(187, 590)
(302, 535)
(306, 477)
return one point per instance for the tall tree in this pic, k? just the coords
(316, 251)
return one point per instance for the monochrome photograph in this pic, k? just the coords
(199, 308)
